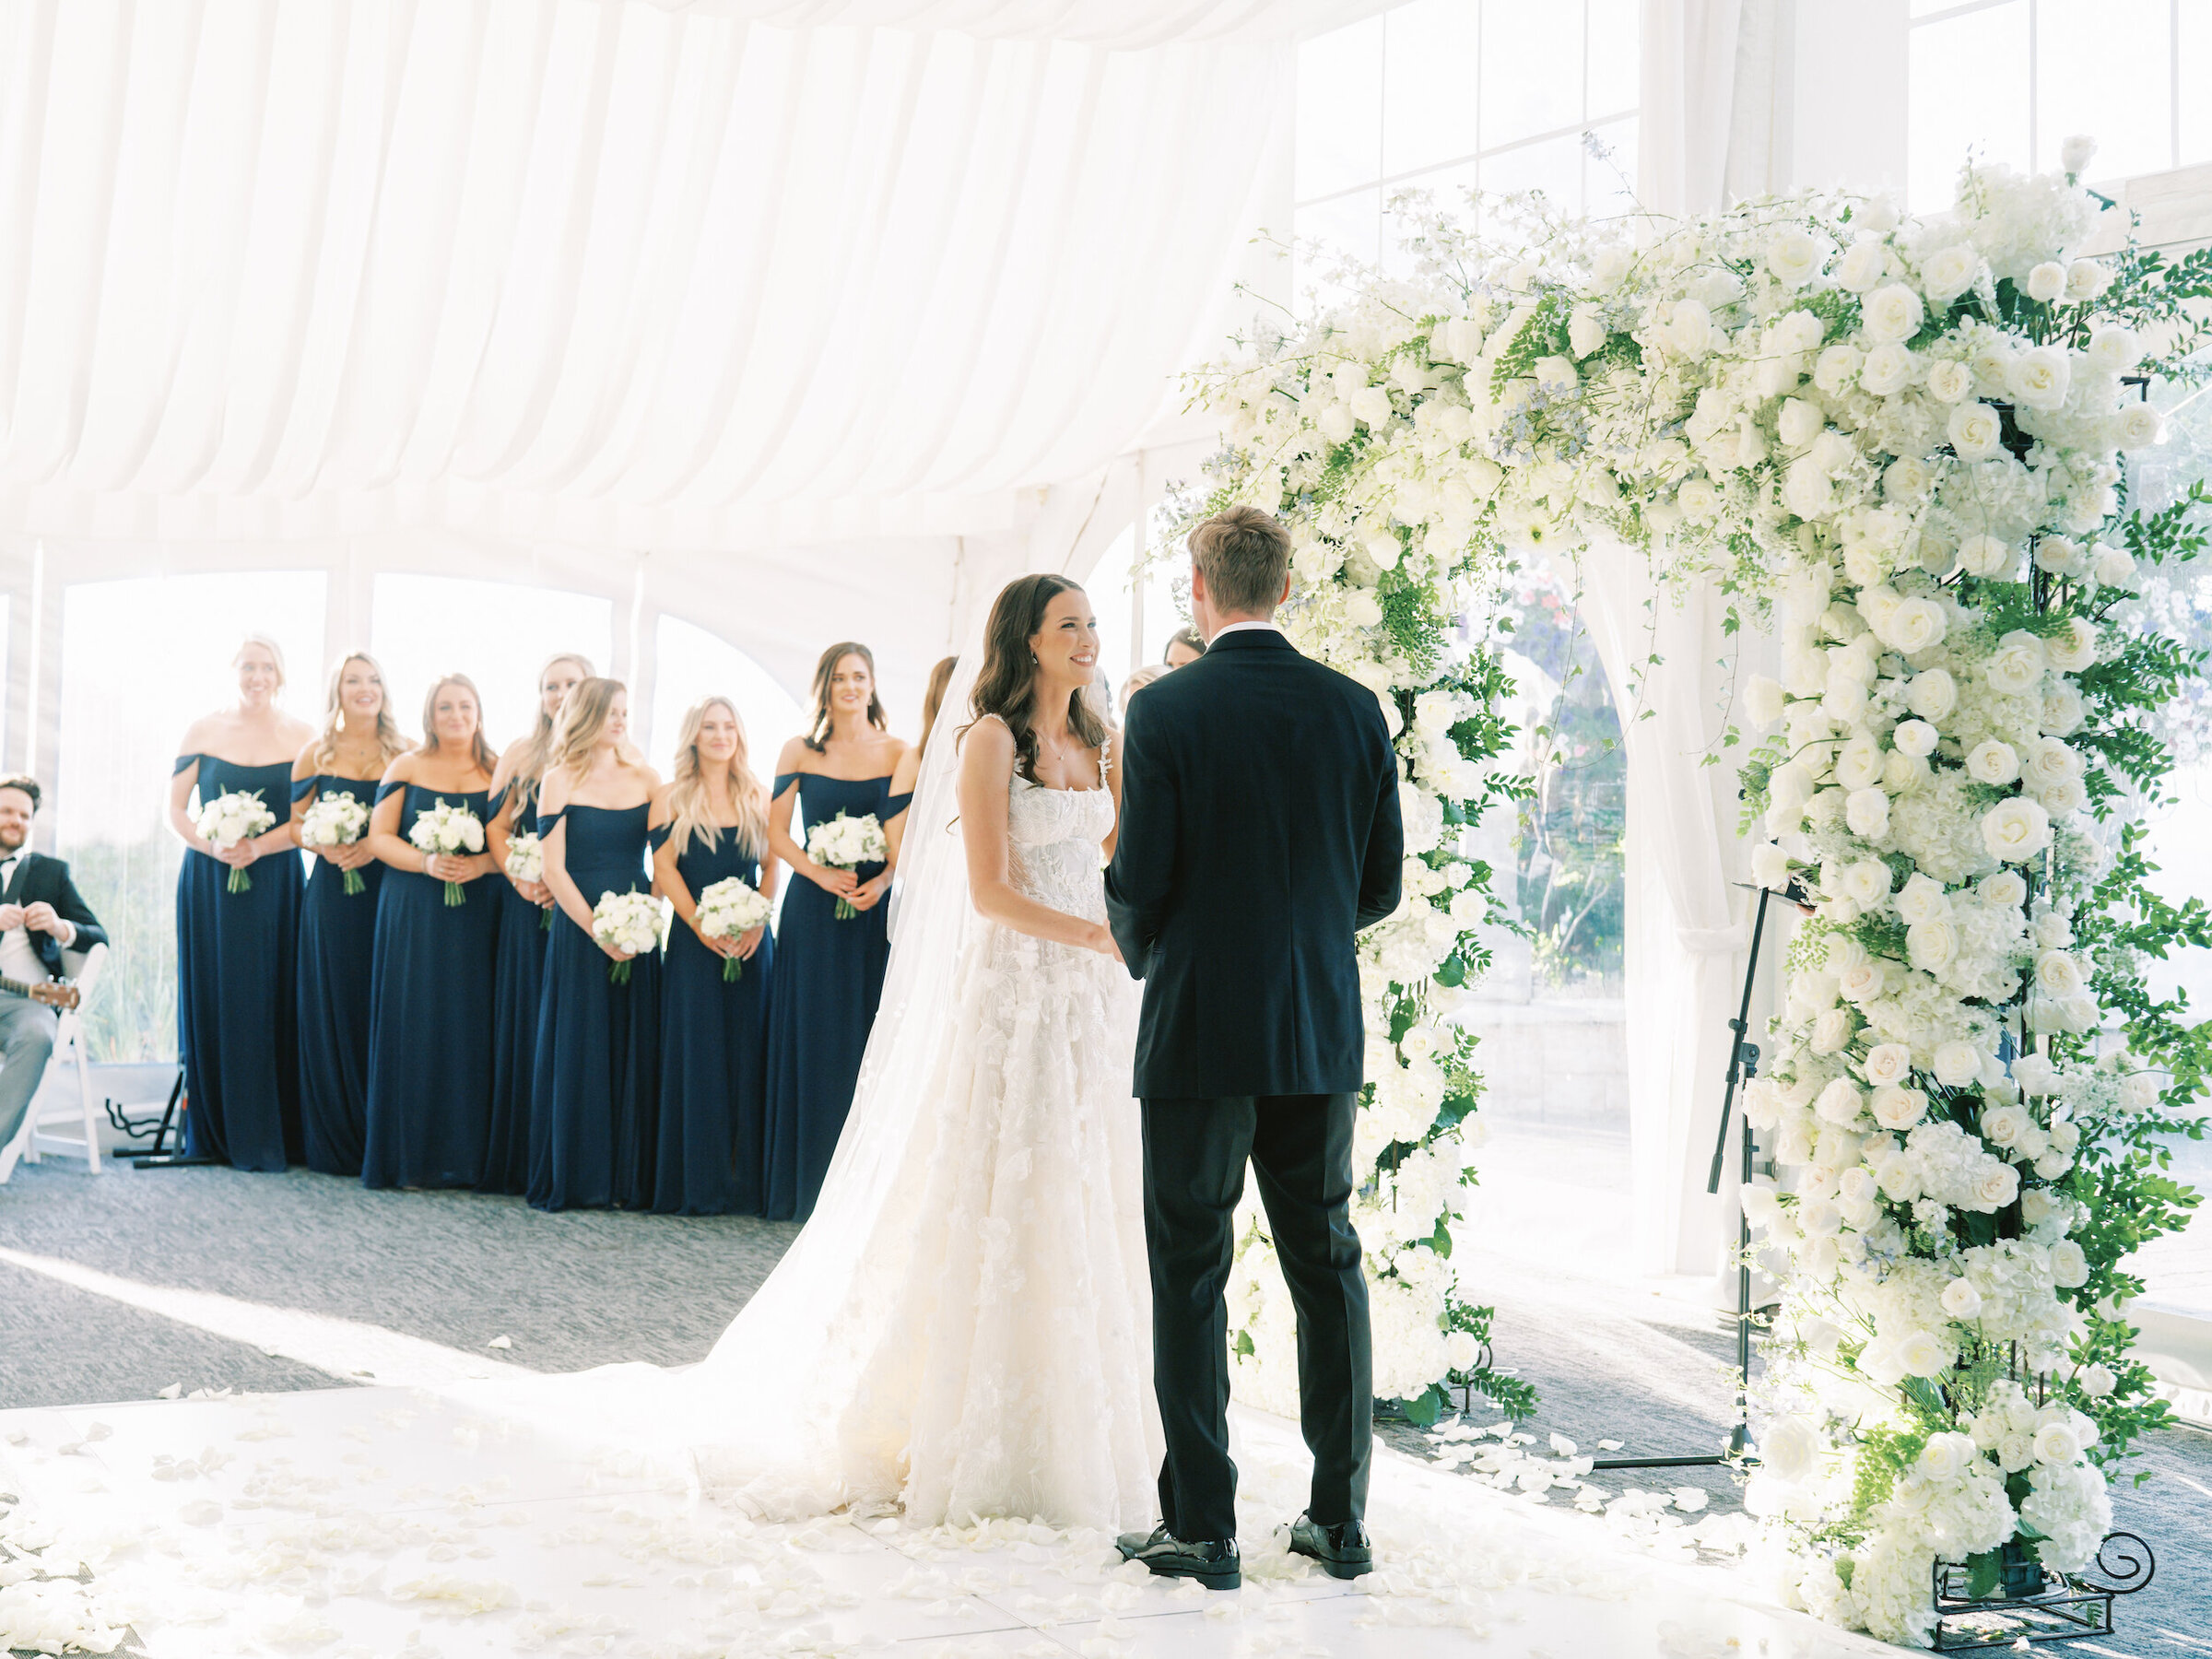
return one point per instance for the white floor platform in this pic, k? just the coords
(370, 1521)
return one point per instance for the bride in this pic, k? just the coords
(961, 1330)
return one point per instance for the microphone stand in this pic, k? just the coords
(1743, 1065)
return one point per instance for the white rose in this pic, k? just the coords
(2096, 1381)
(2056, 1446)
(2034, 1074)
(1893, 312)
(1962, 1301)
(2112, 567)
(1859, 765)
(2076, 649)
(1819, 1218)
(1799, 423)
(1608, 265)
(1793, 256)
(1916, 625)
(1586, 330)
(2038, 379)
(1922, 1354)
(1886, 371)
(1914, 737)
(1976, 432)
(1832, 1031)
(1933, 944)
(1372, 404)
(1987, 555)
(1789, 1449)
(2087, 279)
(1361, 608)
(2114, 348)
(1896, 1109)
(2140, 425)
(1991, 761)
(2059, 557)
(1949, 272)
(1839, 1104)
(2058, 799)
(1834, 369)
(1946, 1456)
(1949, 382)
(2037, 1207)
(2006, 889)
(1698, 498)
(1867, 812)
(1862, 982)
(2017, 664)
(1932, 694)
(2050, 761)
(2047, 282)
(1888, 1063)
(1807, 488)
(1996, 1186)
(1862, 265)
(1689, 329)
(2140, 1091)
(2074, 154)
(1336, 423)
(1957, 1063)
(2015, 1451)
(2005, 1125)
(1769, 866)
(2057, 973)
(1866, 881)
(1762, 701)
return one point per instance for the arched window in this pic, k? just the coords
(693, 664)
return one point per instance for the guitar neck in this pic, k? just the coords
(52, 993)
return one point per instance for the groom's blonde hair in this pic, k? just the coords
(1244, 555)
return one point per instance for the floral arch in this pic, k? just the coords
(1896, 444)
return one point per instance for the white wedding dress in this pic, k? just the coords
(962, 1331)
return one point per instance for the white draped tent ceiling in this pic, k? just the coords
(784, 303)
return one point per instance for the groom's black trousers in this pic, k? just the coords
(1300, 1148)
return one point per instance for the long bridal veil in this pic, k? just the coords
(762, 1412)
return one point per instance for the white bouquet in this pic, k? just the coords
(526, 862)
(629, 922)
(230, 819)
(846, 843)
(336, 820)
(449, 829)
(729, 908)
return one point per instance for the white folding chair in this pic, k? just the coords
(80, 1124)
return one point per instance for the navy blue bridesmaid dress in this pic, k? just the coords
(828, 980)
(594, 1091)
(429, 1018)
(713, 1053)
(518, 983)
(337, 942)
(237, 964)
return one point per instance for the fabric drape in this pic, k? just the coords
(612, 273)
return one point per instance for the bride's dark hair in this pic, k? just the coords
(1007, 683)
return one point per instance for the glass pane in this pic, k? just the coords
(2196, 48)
(1344, 224)
(140, 660)
(1429, 85)
(1339, 110)
(1969, 90)
(499, 633)
(1532, 69)
(2105, 68)
(1616, 56)
(691, 664)
(1554, 167)
(1609, 170)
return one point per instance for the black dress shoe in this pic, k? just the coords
(1343, 1550)
(1213, 1563)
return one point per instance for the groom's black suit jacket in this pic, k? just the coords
(37, 878)
(1259, 833)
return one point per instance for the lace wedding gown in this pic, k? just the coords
(990, 1351)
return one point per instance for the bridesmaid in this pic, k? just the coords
(429, 1006)
(710, 822)
(830, 975)
(597, 1042)
(237, 1028)
(525, 918)
(337, 929)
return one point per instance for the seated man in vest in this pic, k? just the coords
(41, 914)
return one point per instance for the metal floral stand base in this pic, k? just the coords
(2034, 1606)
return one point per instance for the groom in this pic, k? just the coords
(1259, 833)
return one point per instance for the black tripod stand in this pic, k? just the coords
(1743, 1065)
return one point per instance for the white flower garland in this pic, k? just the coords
(1817, 402)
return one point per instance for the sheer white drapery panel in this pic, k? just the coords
(606, 273)
(1128, 24)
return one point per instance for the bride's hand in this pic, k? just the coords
(1103, 941)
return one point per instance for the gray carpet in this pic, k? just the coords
(589, 1288)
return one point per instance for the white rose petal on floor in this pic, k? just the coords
(373, 1521)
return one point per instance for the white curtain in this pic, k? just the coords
(716, 277)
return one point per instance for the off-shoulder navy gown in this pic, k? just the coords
(713, 1053)
(237, 964)
(518, 985)
(597, 1042)
(429, 1020)
(828, 980)
(337, 943)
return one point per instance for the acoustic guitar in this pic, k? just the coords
(58, 995)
